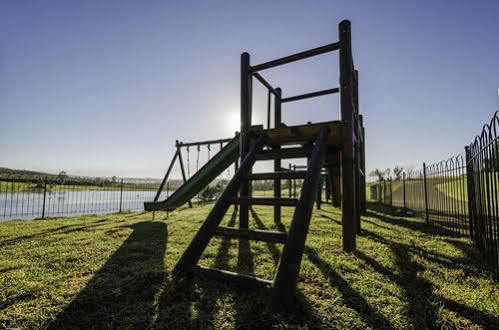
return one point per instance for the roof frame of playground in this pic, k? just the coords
(254, 70)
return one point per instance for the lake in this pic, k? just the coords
(29, 205)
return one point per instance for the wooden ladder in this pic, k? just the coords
(283, 286)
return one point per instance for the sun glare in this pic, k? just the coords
(232, 121)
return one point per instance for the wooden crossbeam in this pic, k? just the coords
(265, 201)
(252, 234)
(278, 175)
(231, 277)
(285, 153)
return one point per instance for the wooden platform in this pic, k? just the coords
(290, 135)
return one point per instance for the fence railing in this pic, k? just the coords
(482, 160)
(30, 198)
(460, 194)
(437, 191)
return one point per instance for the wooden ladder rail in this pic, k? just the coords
(200, 241)
(284, 285)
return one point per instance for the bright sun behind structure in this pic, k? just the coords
(232, 122)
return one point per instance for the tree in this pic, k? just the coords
(378, 174)
(388, 174)
(62, 176)
(397, 171)
(212, 192)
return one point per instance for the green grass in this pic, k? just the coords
(115, 271)
(455, 188)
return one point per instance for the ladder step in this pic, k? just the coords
(284, 175)
(252, 234)
(266, 201)
(284, 153)
(226, 276)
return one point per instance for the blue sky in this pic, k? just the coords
(106, 87)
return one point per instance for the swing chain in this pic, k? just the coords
(188, 163)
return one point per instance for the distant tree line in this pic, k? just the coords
(386, 174)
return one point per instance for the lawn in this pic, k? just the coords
(114, 271)
(457, 187)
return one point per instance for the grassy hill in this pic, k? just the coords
(115, 271)
(15, 173)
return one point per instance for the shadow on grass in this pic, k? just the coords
(221, 259)
(351, 298)
(418, 292)
(397, 216)
(271, 246)
(193, 301)
(338, 222)
(121, 293)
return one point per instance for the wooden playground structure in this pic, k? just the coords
(335, 147)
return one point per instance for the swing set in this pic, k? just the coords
(179, 146)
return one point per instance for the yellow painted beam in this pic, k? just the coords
(306, 132)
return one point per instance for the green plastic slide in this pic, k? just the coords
(206, 174)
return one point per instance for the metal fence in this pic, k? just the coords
(437, 191)
(482, 159)
(33, 198)
(30, 198)
(460, 194)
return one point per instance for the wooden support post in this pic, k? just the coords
(245, 133)
(236, 163)
(277, 161)
(319, 194)
(357, 150)
(327, 188)
(268, 110)
(166, 176)
(236, 167)
(182, 168)
(334, 184)
(347, 156)
(294, 183)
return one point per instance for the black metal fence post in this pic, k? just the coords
(121, 195)
(425, 192)
(403, 190)
(384, 191)
(471, 194)
(391, 192)
(44, 196)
